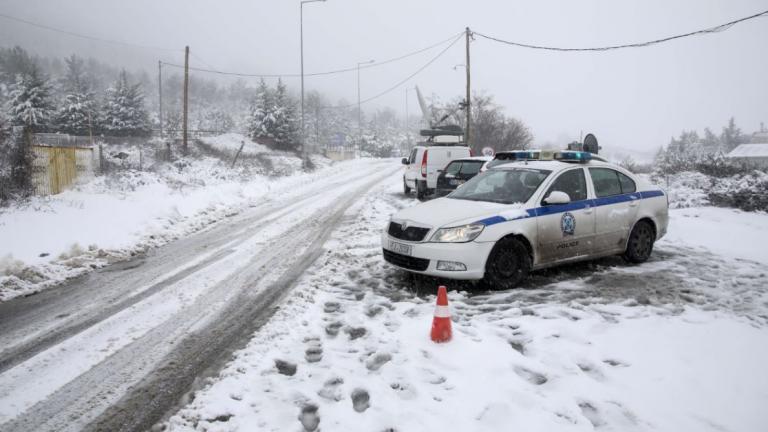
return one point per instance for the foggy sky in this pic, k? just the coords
(635, 98)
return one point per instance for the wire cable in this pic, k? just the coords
(403, 81)
(331, 72)
(82, 36)
(715, 29)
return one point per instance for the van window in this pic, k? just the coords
(412, 157)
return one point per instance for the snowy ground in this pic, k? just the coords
(112, 218)
(676, 344)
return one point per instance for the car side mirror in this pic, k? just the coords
(404, 161)
(557, 197)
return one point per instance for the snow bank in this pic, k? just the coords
(231, 142)
(727, 232)
(111, 218)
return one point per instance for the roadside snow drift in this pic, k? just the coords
(111, 218)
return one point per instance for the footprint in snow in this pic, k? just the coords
(531, 376)
(377, 360)
(361, 400)
(331, 307)
(332, 389)
(355, 332)
(314, 351)
(309, 417)
(333, 328)
(285, 367)
(592, 371)
(591, 413)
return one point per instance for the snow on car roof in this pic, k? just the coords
(750, 150)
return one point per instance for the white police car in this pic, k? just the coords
(542, 209)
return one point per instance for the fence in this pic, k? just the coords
(55, 168)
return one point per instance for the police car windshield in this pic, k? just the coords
(505, 186)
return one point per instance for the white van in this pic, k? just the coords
(424, 164)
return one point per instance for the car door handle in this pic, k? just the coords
(633, 203)
(588, 210)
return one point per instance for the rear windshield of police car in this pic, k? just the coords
(504, 186)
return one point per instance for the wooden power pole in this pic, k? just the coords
(186, 98)
(468, 135)
(160, 94)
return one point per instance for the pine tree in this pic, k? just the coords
(30, 104)
(79, 104)
(732, 136)
(286, 132)
(124, 111)
(261, 114)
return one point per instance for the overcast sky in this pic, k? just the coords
(635, 98)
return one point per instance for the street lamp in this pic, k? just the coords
(359, 111)
(301, 36)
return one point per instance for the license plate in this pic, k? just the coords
(403, 249)
(456, 182)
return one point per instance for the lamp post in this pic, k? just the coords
(301, 36)
(359, 110)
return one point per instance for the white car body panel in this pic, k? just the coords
(602, 224)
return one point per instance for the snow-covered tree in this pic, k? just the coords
(30, 102)
(261, 120)
(124, 113)
(79, 103)
(732, 136)
(286, 123)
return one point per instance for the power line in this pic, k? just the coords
(403, 81)
(331, 72)
(715, 29)
(82, 36)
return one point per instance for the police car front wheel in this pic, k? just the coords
(508, 264)
(640, 243)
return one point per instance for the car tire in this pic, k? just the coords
(406, 189)
(508, 264)
(640, 243)
(421, 190)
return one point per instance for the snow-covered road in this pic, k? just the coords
(117, 348)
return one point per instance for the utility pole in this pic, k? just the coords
(301, 37)
(468, 135)
(359, 105)
(186, 98)
(160, 93)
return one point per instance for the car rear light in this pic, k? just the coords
(424, 164)
(471, 153)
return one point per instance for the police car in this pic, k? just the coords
(542, 209)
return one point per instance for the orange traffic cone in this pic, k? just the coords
(441, 323)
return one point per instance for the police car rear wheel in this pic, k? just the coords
(640, 244)
(508, 264)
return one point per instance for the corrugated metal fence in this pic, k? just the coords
(56, 168)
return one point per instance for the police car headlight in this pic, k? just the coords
(459, 234)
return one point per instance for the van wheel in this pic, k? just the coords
(640, 244)
(406, 189)
(421, 190)
(508, 264)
